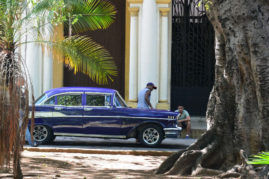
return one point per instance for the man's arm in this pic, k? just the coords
(147, 98)
(188, 118)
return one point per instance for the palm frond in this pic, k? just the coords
(259, 159)
(85, 14)
(11, 13)
(45, 5)
(84, 55)
(92, 15)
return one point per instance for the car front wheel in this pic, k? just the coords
(43, 134)
(151, 135)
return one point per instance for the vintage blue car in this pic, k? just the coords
(98, 112)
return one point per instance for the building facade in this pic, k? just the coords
(145, 45)
(148, 56)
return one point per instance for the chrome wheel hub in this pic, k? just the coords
(40, 133)
(151, 136)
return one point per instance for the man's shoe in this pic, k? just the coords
(187, 137)
(35, 144)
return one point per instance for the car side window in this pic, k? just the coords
(98, 100)
(70, 100)
(50, 101)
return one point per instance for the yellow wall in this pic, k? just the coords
(58, 59)
(127, 50)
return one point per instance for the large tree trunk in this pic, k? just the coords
(238, 108)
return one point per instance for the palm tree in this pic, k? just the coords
(81, 54)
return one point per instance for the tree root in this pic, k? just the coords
(230, 175)
(243, 171)
(204, 140)
(183, 161)
(200, 171)
(169, 162)
(205, 158)
(184, 164)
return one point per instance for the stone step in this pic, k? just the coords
(195, 133)
(198, 122)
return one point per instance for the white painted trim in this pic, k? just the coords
(81, 116)
(90, 135)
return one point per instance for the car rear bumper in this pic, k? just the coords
(172, 132)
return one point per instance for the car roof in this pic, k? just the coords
(78, 89)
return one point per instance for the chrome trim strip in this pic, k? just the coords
(127, 117)
(63, 106)
(97, 93)
(170, 133)
(67, 93)
(90, 135)
(97, 106)
(58, 114)
(172, 129)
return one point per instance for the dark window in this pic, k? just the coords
(50, 101)
(69, 100)
(98, 100)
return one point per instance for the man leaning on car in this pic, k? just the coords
(144, 96)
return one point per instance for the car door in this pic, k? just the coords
(99, 118)
(68, 114)
(44, 108)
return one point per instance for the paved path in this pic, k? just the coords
(111, 146)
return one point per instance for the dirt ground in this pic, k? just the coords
(86, 166)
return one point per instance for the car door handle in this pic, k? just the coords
(87, 109)
(58, 108)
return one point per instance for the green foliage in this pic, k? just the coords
(82, 54)
(206, 3)
(85, 15)
(53, 11)
(98, 100)
(91, 58)
(259, 159)
(94, 15)
(69, 100)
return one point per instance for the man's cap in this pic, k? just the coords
(151, 84)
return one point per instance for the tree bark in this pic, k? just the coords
(13, 110)
(238, 107)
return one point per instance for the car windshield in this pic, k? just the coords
(119, 102)
(41, 99)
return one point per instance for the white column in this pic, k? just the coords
(163, 97)
(47, 63)
(47, 70)
(133, 54)
(148, 60)
(34, 65)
